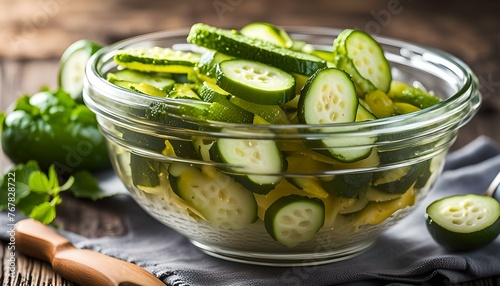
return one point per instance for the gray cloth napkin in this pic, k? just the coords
(403, 255)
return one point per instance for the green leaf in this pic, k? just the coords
(20, 175)
(44, 212)
(53, 180)
(39, 182)
(28, 203)
(86, 186)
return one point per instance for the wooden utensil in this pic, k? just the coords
(81, 266)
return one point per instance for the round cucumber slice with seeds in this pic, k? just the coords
(329, 96)
(251, 156)
(362, 57)
(293, 219)
(72, 67)
(255, 82)
(464, 223)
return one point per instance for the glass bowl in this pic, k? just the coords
(210, 204)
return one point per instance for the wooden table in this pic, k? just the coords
(35, 33)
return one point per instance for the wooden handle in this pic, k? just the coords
(38, 240)
(82, 266)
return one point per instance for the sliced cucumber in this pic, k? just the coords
(147, 89)
(347, 185)
(310, 185)
(161, 81)
(255, 82)
(374, 195)
(72, 67)
(364, 113)
(208, 62)
(329, 96)
(398, 180)
(156, 59)
(359, 204)
(362, 57)
(145, 171)
(416, 97)
(271, 113)
(293, 219)
(225, 111)
(269, 33)
(184, 91)
(234, 44)
(180, 148)
(202, 146)
(465, 222)
(210, 92)
(222, 201)
(251, 156)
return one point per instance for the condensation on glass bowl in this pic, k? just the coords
(423, 137)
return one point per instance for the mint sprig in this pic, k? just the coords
(37, 193)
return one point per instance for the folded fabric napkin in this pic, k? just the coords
(405, 254)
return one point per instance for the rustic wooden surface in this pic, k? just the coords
(34, 33)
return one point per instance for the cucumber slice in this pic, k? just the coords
(145, 171)
(147, 89)
(156, 59)
(416, 97)
(465, 222)
(293, 219)
(234, 44)
(209, 61)
(222, 201)
(161, 81)
(72, 67)
(184, 91)
(310, 185)
(255, 82)
(269, 33)
(271, 113)
(398, 180)
(347, 185)
(252, 156)
(211, 92)
(364, 113)
(362, 57)
(329, 96)
(225, 111)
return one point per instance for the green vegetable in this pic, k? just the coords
(72, 67)
(293, 219)
(237, 45)
(51, 128)
(252, 156)
(156, 59)
(255, 82)
(224, 203)
(269, 33)
(464, 223)
(362, 57)
(37, 193)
